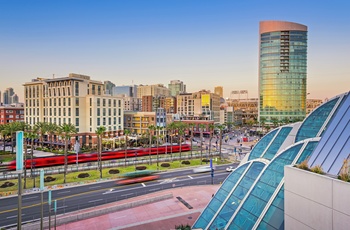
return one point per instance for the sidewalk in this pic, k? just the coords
(162, 215)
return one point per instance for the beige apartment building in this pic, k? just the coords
(201, 105)
(138, 122)
(152, 90)
(76, 100)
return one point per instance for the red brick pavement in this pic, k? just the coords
(162, 215)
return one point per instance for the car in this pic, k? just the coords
(230, 169)
(202, 169)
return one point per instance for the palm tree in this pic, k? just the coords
(51, 130)
(3, 133)
(171, 127)
(263, 122)
(11, 129)
(211, 128)
(158, 128)
(191, 126)
(201, 127)
(32, 134)
(220, 127)
(150, 128)
(42, 128)
(99, 132)
(180, 128)
(25, 127)
(275, 121)
(66, 131)
(126, 133)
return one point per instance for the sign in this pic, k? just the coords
(19, 150)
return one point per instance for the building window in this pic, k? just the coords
(76, 88)
(99, 90)
(109, 102)
(115, 103)
(98, 121)
(69, 112)
(98, 112)
(103, 102)
(90, 101)
(77, 112)
(98, 102)
(104, 112)
(77, 121)
(76, 101)
(90, 112)
(104, 121)
(68, 101)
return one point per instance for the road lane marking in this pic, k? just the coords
(143, 185)
(10, 217)
(127, 194)
(27, 198)
(95, 200)
(94, 187)
(63, 192)
(190, 177)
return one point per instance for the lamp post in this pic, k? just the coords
(49, 202)
(77, 148)
(42, 198)
(55, 210)
(19, 169)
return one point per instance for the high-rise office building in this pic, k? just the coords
(7, 96)
(219, 90)
(282, 70)
(176, 87)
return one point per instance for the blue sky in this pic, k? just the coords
(202, 43)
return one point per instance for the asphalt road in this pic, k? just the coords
(80, 197)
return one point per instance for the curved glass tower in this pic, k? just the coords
(282, 71)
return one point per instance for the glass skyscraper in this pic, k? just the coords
(282, 71)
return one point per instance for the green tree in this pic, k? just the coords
(32, 134)
(52, 129)
(191, 127)
(99, 132)
(201, 127)
(221, 128)
(126, 133)
(181, 130)
(171, 127)
(66, 131)
(275, 121)
(211, 130)
(42, 128)
(151, 130)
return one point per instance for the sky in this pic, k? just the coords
(204, 43)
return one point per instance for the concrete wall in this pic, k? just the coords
(314, 201)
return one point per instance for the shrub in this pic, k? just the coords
(49, 179)
(182, 227)
(165, 165)
(344, 177)
(141, 167)
(185, 162)
(83, 175)
(317, 169)
(113, 171)
(205, 160)
(7, 184)
(303, 165)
